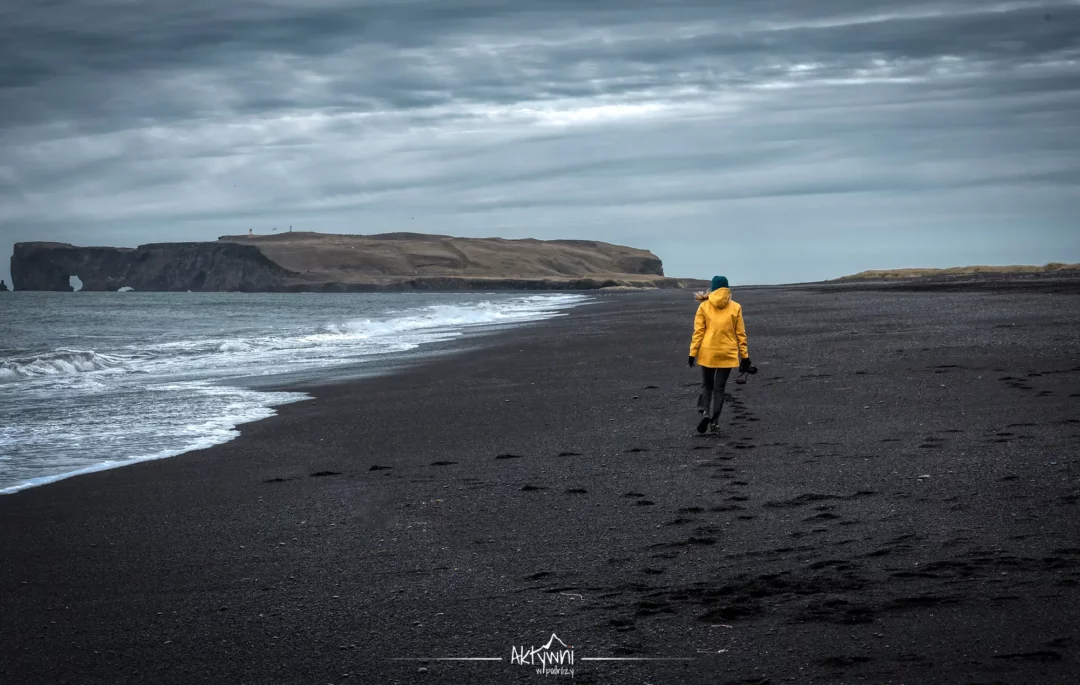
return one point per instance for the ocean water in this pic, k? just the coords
(90, 381)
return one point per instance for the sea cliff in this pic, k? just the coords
(315, 262)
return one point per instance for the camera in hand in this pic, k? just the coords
(745, 369)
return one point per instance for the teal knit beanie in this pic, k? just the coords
(719, 282)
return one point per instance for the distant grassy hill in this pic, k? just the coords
(976, 271)
(390, 258)
(319, 262)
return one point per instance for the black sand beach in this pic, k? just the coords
(896, 501)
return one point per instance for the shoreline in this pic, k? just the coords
(298, 385)
(206, 443)
(885, 507)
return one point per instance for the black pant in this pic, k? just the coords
(713, 382)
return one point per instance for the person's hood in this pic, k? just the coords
(720, 297)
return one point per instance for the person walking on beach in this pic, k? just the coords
(718, 346)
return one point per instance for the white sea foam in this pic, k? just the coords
(243, 406)
(55, 363)
(234, 346)
(330, 343)
(129, 397)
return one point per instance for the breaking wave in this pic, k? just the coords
(91, 387)
(56, 363)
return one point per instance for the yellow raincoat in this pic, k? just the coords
(719, 336)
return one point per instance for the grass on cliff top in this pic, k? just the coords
(959, 271)
(332, 257)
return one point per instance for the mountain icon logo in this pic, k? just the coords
(555, 638)
(554, 657)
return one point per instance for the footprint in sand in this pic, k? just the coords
(823, 516)
(690, 541)
(800, 501)
(1040, 655)
(844, 661)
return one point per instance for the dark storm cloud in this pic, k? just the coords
(130, 122)
(538, 51)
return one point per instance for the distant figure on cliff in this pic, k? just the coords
(718, 346)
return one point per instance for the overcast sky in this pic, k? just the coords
(768, 141)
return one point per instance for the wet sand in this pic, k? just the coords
(895, 501)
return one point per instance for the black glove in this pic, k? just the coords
(744, 365)
(692, 362)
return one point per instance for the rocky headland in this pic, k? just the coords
(318, 262)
